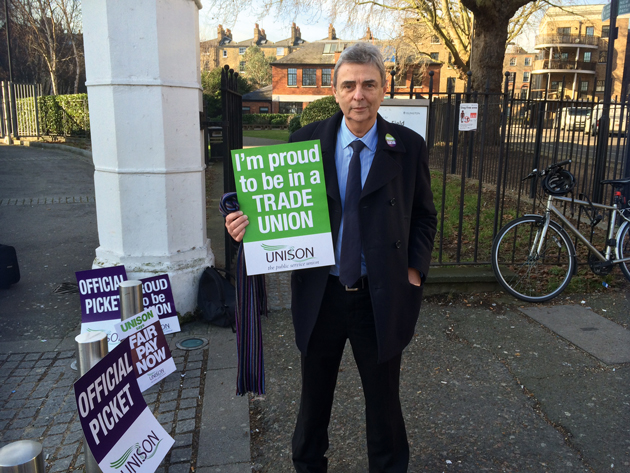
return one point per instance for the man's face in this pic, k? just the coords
(359, 93)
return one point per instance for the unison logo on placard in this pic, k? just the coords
(137, 454)
(274, 254)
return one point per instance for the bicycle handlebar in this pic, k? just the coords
(551, 167)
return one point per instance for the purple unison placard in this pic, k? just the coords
(157, 294)
(118, 426)
(99, 293)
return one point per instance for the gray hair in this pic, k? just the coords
(361, 53)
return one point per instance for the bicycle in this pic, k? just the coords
(540, 268)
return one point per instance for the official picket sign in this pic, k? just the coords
(150, 355)
(100, 304)
(119, 428)
(282, 190)
(157, 293)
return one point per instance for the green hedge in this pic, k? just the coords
(294, 124)
(266, 118)
(64, 115)
(319, 110)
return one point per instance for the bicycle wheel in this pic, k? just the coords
(526, 272)
(623, 248)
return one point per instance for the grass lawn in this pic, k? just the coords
(282, 135)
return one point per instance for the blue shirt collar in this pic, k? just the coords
(370, 139)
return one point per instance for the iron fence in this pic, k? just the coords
(515, 134)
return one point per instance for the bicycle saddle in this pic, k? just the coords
(617, 182)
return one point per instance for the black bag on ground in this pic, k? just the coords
(217, 297)
(9, 269)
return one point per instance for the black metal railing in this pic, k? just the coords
(576, 40)
(481, 171)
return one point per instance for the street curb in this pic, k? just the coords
(68, 149)
(466, 279)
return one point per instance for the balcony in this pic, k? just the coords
(555, 65)
(569, 40)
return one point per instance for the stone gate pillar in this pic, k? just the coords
(144, 93)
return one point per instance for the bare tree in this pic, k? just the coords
(257, 67)
(51, 28)
(483, 27)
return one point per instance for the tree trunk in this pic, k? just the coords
(488, 53)
(491, 19)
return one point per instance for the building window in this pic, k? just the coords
(279, 51)
(263, 110)
(510, 76)
(292, 77)
(564, 31)
(435, 56)
(525, 76)
(590, 31)
(587, 56)
(528, 61)
(599, 87)
(242, 50)
(605, 31)
(290, 107)
(512, 61)
(450, 84)
(225, 53)
(603, 56)
(241, 67)
(435, 39)
(245, 110)
(326, 74)
(330, 48)
(309, 77)
(583, 86)
(554, 85)
(450, 59)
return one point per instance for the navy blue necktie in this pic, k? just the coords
(350, 258)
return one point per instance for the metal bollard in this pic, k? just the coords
(23, 456)
(130, 298)
(91, 348)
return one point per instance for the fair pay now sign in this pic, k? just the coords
(282, 190)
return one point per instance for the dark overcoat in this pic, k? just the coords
(398, 224)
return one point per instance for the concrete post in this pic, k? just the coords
(144, 92)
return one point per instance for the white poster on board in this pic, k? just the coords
(412, 113)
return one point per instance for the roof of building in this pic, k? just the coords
(323, 52)
(313, 53)
(260, 95)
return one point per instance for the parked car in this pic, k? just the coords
(572, 118)
(617, 121)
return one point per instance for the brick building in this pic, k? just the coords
(519, 63)
(224, 50)
(307, 74)
(573, 47)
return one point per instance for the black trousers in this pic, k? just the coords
(349, 316)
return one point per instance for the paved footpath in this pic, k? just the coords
(47, 212)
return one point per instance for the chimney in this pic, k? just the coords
(293, 33)
(220, 32)
(228, 33)
(368, 34)
(332, 34)
(256, 34)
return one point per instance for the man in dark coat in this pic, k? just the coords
(390, 222)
